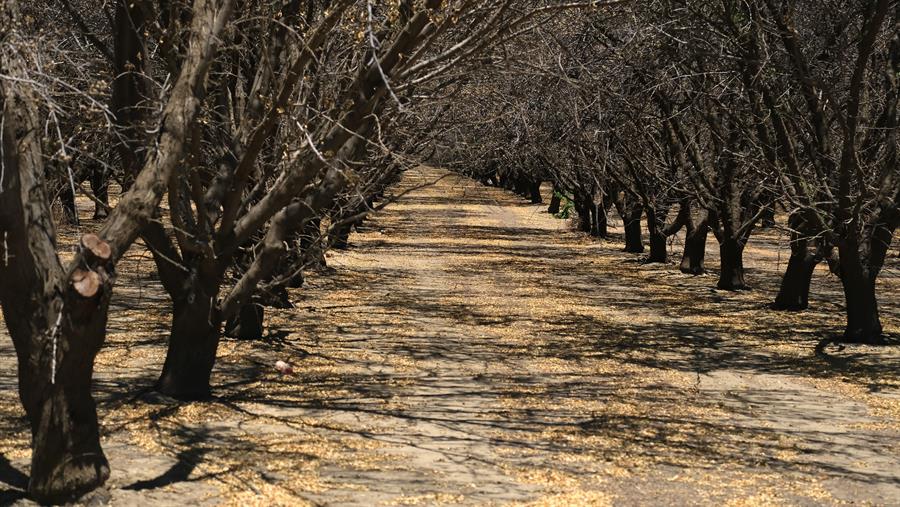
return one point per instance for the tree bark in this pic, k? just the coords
(632, 221)
(55, 317)
(863, 321)
(794, 292)
(583, 207)
(193, 341)
(655, 229)
(695, 245)
(555, 202)
(731, 273)
(600, 222)
(694, 251)
(535, 190)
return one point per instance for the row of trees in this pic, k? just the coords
(247, 136)
(710, 117)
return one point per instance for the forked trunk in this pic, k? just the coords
(56, 319)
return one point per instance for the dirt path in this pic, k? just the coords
(469, 349)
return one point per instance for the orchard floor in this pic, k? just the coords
(471, 349)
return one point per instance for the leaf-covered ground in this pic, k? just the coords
(471, 349)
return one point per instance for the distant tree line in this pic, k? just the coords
(708, 117)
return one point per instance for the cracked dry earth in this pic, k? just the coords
(469, 349)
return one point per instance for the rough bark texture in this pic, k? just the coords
(196, 327)
(56, 330)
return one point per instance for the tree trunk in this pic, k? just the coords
(863, 321)
(100, 187)
(794, 292)
(248, 324)
(67, 201)
(583, 210)
(342, 237)
(655, 229)
(521, 186)
(56, 317)
(535, 189)
(310, 246)
(600, 223)
(731, 273)
(67, 460)
(695, 247)
(633, 241)
(196, 326)
(555, 203)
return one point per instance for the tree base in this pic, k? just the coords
(692, 270)
(864, 336)
(784, 306)
(733, 285)
(181, 390)
(71, 479)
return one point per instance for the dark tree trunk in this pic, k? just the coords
(600, 222)
(863, 321)
(130, 85)
(794, 292)
(535, 190)
(341, 239)
(731, 272)
(310, 248)
(248, 325)
(193, 340)
(67, 460)
(522, 186)
(632, 221)
(768, 218)
(67, 201)
(655, 229)
(56, 318)
(695, 246)
(555, 203)
(583, 210)
(100, 187)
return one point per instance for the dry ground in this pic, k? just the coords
(471, 349)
